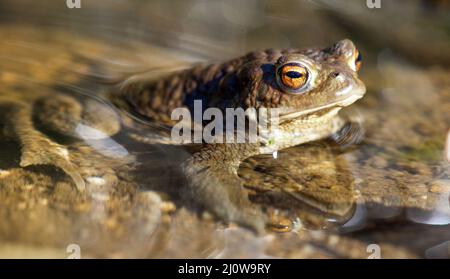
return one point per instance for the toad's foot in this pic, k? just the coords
(214, 183)
(351, 132)
(38, 149)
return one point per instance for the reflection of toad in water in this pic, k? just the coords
(310, 185)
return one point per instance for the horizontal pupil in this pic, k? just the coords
(294, 74)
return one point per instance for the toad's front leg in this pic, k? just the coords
(214, 183)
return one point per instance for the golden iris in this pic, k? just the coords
(293, 76)
(358, 61)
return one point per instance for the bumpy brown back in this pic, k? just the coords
(217, 85)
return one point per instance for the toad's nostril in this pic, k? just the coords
(335, 74)
(338, 76)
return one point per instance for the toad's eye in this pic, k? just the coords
(292, 77)
(358, 61)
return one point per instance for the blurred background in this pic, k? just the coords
(416, 29)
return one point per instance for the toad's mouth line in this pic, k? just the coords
(321, 109)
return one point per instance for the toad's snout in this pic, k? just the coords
(350, 85)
